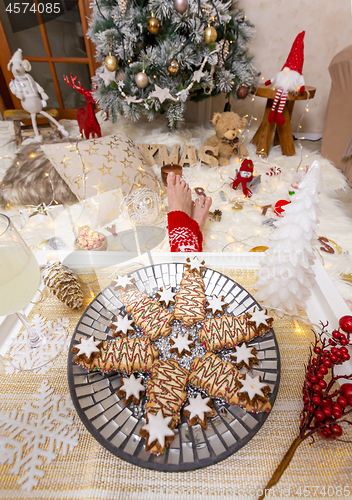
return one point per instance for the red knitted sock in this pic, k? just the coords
(184, 233)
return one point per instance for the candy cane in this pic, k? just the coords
(274, 171)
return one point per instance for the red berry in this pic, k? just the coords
(336, 429)
(346, 324)
(349, 400)
(326, 352)
(322, 384)
(305, 399)
(320, 375)
(316, 400)
(336, 411)
(332, 342)
(327, 402)
(311, 409)
(333, 350)
(346, 390)
(324, 434)
(313, 378)
(309, 384)
(344, 341)
(333, 358)
(317, 350)
(315, 362)
(319, 415)
(317, 389)
(338, 353)
(327, 411)
(343, 350)
(345, 357)
(322, 369)
(342, 401)
(327, 363)
(336, 334)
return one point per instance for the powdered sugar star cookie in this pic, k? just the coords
(252, 388)
(259, 319)
(122, 325)
(131, 389)
(182, 344)
(216, 304)
(166, 295)
(195, 264)
(198, 410)
(87, 346)
(156, 430)
(245, 356)
(123, 282)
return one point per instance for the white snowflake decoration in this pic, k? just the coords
(55, 334)
(35, 435)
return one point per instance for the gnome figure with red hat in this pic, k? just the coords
(243, 177)
(289, 79)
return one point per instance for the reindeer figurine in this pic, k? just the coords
(87, 122)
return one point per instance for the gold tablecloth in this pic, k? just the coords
(321, 469)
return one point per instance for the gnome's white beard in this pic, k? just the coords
(291, 81)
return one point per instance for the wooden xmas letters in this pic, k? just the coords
(206, 154)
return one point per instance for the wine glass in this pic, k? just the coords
(19, 281)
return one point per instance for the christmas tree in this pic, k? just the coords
(285, 275)
(160, 53)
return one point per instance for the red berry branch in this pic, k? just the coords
(326, 404)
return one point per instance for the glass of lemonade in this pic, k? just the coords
(19, 281)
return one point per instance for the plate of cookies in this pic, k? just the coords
(174, 366)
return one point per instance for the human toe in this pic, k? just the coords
(171, 179)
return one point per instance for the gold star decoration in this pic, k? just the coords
(93, 205)
(110, 157)
(123, 181)
(87, 165)
(127, 163)
(100, 185)
(130, 143)
(79, 180)
(112, 215)
(112, 145)
(66, 160)
(71, 147)
(129, 152)
(96, 141)
(91, 150)
(105, 170)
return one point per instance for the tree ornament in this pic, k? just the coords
(223, 52)
(210, 34)
(141, 79)
(122, 5)
(63, 284)
(181, 6)
(153, 25)
(242, 92)
(345, 324)
(110, 62)
(173, 67)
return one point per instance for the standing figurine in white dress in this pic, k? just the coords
(32, 95)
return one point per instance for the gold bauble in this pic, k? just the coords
(110, 62)
(173, 67)
(210, 35)
(259, 249)
(141, 79)
(153, 25)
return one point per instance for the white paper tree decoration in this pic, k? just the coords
(285, 275)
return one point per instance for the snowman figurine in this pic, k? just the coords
(32, 95)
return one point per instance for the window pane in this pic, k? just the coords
(65, 35)
(30, 41)
(71, 97)
(42, 75)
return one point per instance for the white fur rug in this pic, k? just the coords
(239, 230)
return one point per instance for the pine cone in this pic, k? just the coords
(122, 5)
(63, 284)
(223, 52)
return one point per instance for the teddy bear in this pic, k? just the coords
(228, 125)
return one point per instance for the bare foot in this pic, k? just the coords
(179, 194)
(201, 210)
